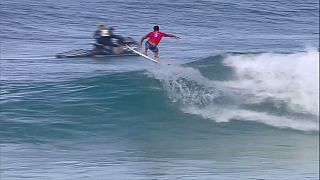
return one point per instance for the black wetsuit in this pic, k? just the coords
(104, 40)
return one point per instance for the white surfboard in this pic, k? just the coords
(137, 52)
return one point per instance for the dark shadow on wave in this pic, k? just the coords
(213, 68)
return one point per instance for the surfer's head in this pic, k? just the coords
(156, 28)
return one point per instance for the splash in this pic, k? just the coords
(280, 90)
(186, 86)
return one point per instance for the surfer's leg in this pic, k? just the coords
(145, 51)
(146, 47)
(156, 52)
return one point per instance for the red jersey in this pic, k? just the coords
(155, 36)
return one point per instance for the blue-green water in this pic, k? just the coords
(240, 99)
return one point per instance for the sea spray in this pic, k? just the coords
(186, 85)
(280, 90)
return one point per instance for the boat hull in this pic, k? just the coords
(102, 51)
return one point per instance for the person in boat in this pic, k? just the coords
(107, 41)
(154, 39)
(116, 42)
(101, 35)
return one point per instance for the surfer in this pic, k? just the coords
(154, 39)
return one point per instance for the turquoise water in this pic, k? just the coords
(240, 99)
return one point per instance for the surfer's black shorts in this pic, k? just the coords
(151, 47)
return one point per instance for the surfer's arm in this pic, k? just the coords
(143, 38)
(171, 35)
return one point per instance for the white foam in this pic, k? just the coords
(227, 114)
(290, 79)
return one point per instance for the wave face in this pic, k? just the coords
(281, 90)
(209, 115)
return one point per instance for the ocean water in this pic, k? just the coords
(239, 100)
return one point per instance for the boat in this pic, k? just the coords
(100, 50)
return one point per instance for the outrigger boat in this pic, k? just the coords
(100, 50)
